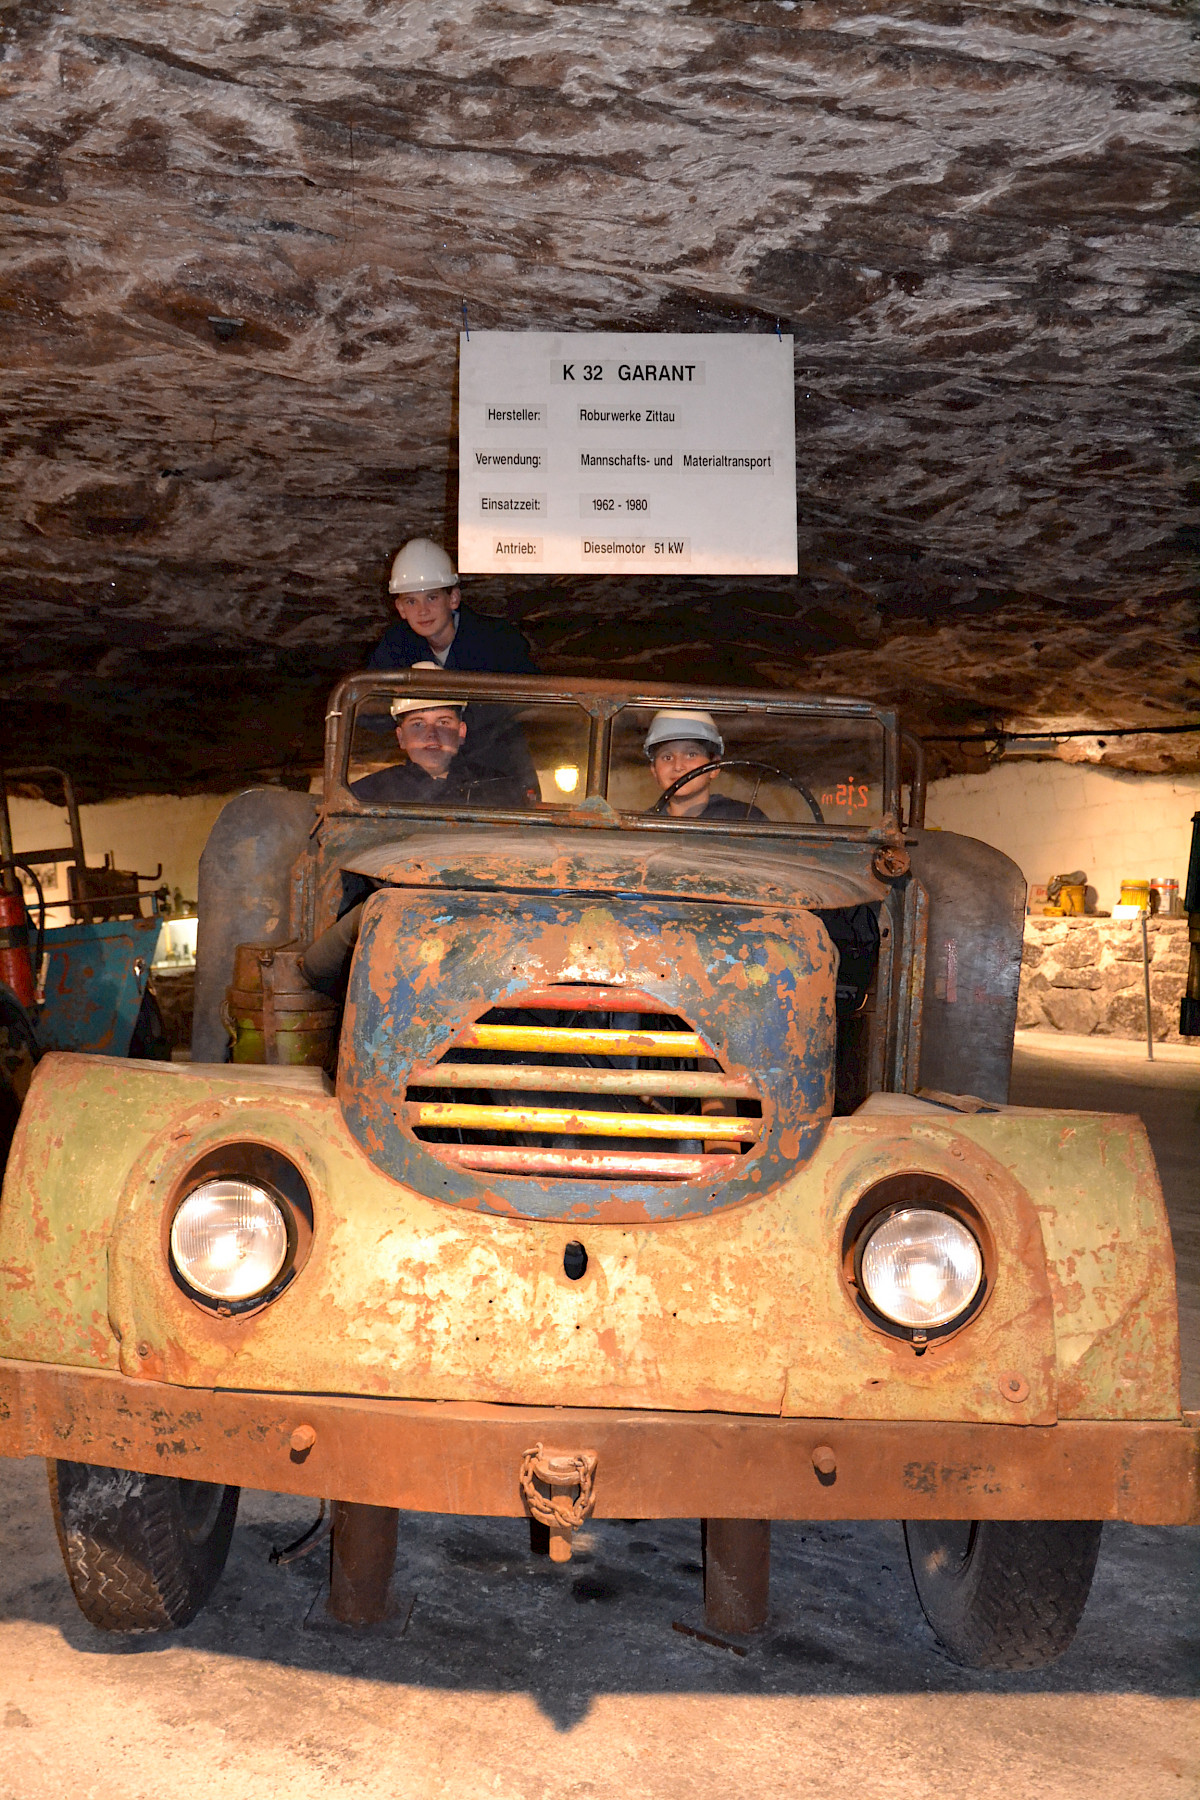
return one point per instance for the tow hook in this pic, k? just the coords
(558, 1487)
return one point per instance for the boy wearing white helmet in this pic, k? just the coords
(678, 740)
(436, 772)
(432, 734)
(434, 623)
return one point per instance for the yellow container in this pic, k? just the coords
(1072, 897)
(305, 1022)
(1136, 893)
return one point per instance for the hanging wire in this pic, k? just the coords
(1046, 737)
(316, 1534)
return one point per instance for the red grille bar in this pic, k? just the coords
(565, 996)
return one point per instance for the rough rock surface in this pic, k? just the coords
(970, 215)
(1085, 976)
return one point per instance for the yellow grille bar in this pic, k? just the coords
(582, 1124)
(585, 1081)
(634, 1165)
(582, 1039)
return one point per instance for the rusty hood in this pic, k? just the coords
(695, 864)
(750, 997)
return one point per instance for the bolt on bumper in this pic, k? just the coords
(462, 1457)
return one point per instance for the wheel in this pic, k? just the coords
(740, 762)
(1003, 1593)
(143, 1552)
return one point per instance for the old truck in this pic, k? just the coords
(647, 1158)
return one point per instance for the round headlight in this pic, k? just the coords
(229, 1239)
(920, 1268)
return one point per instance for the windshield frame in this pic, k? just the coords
(601, 701)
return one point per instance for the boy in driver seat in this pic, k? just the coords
(679, 740)
(432, 733)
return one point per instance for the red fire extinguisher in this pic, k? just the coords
(16, 963)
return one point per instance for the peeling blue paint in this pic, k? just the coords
(405, 1007)
(93, 986)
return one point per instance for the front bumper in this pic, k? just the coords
(458, 1457)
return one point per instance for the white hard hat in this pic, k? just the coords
(673, 725)
(402, 705)
(421, 567)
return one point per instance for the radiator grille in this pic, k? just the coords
(574, 1083)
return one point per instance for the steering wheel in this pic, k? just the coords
(740, 762)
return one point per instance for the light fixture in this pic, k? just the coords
(229, 1239)
(920, 1268)
(1012, 749)
(566, 778)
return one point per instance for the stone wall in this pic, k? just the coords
(1085, 976)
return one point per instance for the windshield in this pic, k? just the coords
(727, 765)
(443, 741)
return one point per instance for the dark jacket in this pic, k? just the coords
(468, 783)
(407, 784)
(485, 646)
(720, 806)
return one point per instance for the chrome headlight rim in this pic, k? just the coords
(913, 1191)
(281, 1180)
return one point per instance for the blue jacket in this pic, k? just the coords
(486, 646)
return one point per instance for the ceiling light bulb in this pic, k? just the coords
(566, 778)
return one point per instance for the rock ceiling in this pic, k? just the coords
(971, 216)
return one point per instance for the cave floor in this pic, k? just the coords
(503, 1675)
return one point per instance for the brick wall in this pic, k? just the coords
(1051, 817)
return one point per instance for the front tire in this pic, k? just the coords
(1003, 1593)
(143, 1552)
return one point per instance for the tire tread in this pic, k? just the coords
(130, 1562)
(1019, 1598)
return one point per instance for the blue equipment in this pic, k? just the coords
(90, 976)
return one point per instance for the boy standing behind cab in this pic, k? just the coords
(433, 622)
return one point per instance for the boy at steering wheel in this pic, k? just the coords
(678, 741)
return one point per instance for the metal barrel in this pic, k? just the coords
(271, 1012)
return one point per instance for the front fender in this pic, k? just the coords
(742, 1311)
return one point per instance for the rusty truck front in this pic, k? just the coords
(661, 1170)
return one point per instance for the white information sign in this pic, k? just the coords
(626, 453)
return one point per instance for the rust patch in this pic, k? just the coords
(463, 1459)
